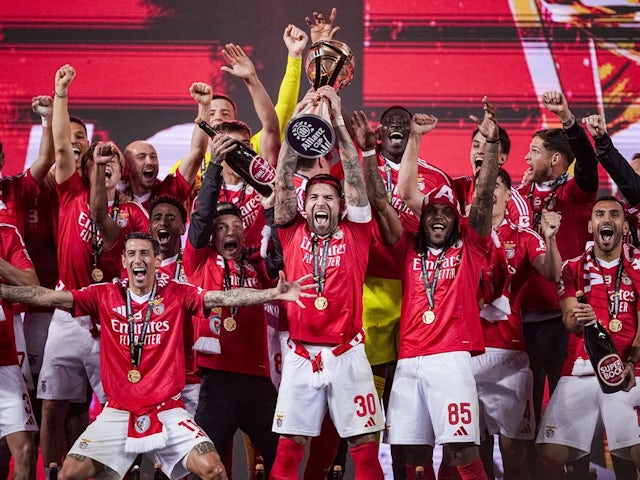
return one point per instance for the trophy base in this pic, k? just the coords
(310, 135)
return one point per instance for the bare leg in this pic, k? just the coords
(21, 445)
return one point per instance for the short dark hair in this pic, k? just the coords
(235, 126)
(171, 201)
(609, 198)
(324, 178)
(503, 138)
(226, 97)
(555, 140)
(142, 236)
(228, 208)
(395, 107)
(74, 119)
(505, 177)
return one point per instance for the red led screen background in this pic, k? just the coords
(137, 58)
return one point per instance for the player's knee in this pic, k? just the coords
(213, 470)
(461, 453)
(360, 439)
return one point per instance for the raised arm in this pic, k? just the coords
(37, 296)
(627, 180)
(549, 264)
(408, 190)
(43, 106)
(109, 230)
(322, 28)
(201, 225)
(586, 167)
(61, 126)
(387, 218)
(482, 206)
(201, 93)
(355, 192)
(242, 67)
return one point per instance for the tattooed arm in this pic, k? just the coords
(37, 296)
(239, 297)
(388, 220)
(482, 206)
(286, 201)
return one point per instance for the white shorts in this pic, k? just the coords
(36, 328)
(69, 358)
(272, 310)
(104, 439)
(16, 414)
(348, 393)
(189, 396)
(505, 392)
(576, 408)
(433, 400)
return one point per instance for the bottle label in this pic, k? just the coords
(262, 171)
(610, 369)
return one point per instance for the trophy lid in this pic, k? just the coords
(330, 62)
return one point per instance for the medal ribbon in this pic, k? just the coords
(176, 274)
(562, 179)
(320, 265)
(135, 348)
(614, 307)
(227, 281)
(430, 286)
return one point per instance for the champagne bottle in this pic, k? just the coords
(53, 471)
(603, 355)
(253, 169)
(420, 473)
(337, 472)
(260, 472)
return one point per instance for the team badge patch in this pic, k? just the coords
(550, 431)
(84, 443)
(279, 418)
(43, 385)
(158, 309)
(142, 424)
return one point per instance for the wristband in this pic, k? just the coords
(497, 140)
(56, 94)
(45, 122)
(633, 362)
(368, 153)
(339, 121)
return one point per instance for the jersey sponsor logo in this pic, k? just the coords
(334, 254)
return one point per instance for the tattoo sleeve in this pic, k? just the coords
(482, 206)
(286, 201)
(37, 296)
(355, 191)
(238, 297)
(204, 448)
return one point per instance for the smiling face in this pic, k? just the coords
(478, 152)
(322, 206)
(166, 226)
(438, 222)
(395, 126)
(228, 235)
(79, 141)
(608, 225)
(141, 264)
(142, 164)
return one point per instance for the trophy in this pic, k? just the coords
(309, 133)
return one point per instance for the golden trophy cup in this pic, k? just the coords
(328, 62)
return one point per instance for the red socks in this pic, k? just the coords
(470, 471)
(365, 460)
(429, 474)
(288, 459)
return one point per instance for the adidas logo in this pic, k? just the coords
(121, 310)
(370, 423)
(461, 432)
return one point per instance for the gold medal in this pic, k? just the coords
(134, 376)
(97, 275)
(615, 325)
(230, 324)
(321, 303)
(428, 317)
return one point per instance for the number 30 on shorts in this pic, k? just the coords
(366, 405)
(459, 413)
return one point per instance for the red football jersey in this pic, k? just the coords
(15, 194)
(575, 206)
(74, 237)
(13, 251)
(162, 365)
(456, 326)
(522, 246)
(346, 264)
